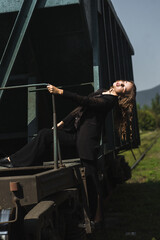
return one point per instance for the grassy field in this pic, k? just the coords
(133, 210)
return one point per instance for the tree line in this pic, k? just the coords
(149, 116)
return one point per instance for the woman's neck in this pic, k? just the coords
(111, 91)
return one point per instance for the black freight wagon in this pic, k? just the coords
(80, 45)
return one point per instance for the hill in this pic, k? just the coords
(145, 97)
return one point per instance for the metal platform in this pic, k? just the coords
(35, 183)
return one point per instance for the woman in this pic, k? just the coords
(82, 127)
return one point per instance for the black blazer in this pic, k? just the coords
(87, 120)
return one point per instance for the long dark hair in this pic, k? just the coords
(124, 112)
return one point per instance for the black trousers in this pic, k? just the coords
(40, 148)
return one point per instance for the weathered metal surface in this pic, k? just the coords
(46, 215)
(27, 190)
(55, 181)
(40, 217)
(34, 187)
(39, 209)
(15, 5)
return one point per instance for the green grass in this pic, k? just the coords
(148, 168)
(146, 139)
(133, 209)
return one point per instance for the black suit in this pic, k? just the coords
(82, 126)
(89, 118)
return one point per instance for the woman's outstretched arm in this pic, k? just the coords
(106, 101)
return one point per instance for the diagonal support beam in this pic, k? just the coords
(15, 40)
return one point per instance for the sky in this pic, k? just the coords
(141, 21)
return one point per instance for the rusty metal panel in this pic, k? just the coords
(27, 191)
(35, 187)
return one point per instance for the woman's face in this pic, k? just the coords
(122, 87)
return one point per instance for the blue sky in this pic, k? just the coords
(141, 20)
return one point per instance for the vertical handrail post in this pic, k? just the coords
(55, 143)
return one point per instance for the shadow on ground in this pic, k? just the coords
(132, 212)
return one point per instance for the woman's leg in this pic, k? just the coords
(40, 148)
(93, 189)
(34, 152)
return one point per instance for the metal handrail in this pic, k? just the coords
(24, 86)
(54, 134)
(16, 212)
(55, 140)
